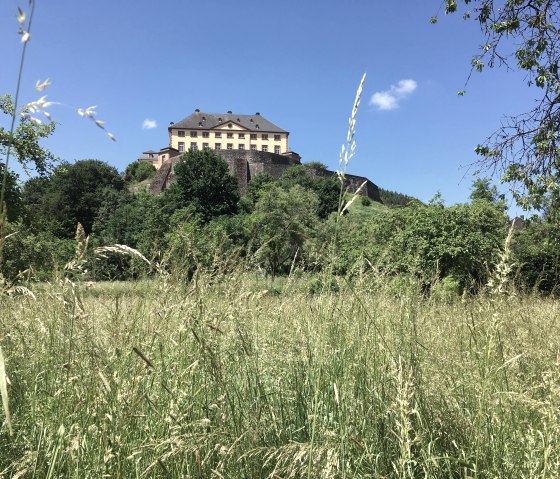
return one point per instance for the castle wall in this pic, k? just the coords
(246, 164)
(352, 182)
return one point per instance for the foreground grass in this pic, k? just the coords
(240, 379)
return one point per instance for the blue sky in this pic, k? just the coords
(297, 62)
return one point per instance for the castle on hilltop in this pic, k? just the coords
(250, 144)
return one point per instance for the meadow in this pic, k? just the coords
(238, 376)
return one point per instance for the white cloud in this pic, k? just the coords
(389, 99)
(149, 124)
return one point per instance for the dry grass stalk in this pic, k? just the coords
(4, 392)
(121, 249)
(499, 284)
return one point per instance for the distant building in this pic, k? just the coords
(250, 144)
(227, 131)
(157, 158)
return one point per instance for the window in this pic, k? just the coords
(230, 146)
(276, 137)
(205, 134)
(205, 146)
(241, 135)
(264, 136)
(277, 150)
(241, 146)
(181, 146)
(230, 135)
(193, 146)
(218, 146)
(217, 135)
(181, 133)
(253, 147)
(253, 136)
(230, 125)
(162, 157)
(193, 134)
(264, 148)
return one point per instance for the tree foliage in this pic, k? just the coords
(309, 177)
(282, 222)
(393, 198)
(536, 256)
(138, 171)
(12, 193)
(523, 35)
(204, 182)
(72, 193)
(429, 242)
(483, 190)
(24, 141)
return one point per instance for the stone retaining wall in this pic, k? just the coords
(246, 164)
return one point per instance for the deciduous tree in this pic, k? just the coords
(203, 180)
(522, 35)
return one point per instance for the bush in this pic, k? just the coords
(428, 242)
(447, 289)
(40, 252)
(203, 181)
(536, 256)
(139, 171)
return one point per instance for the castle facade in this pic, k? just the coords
(250, 144)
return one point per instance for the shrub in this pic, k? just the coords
(138, 171)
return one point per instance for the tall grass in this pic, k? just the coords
(228, 379)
